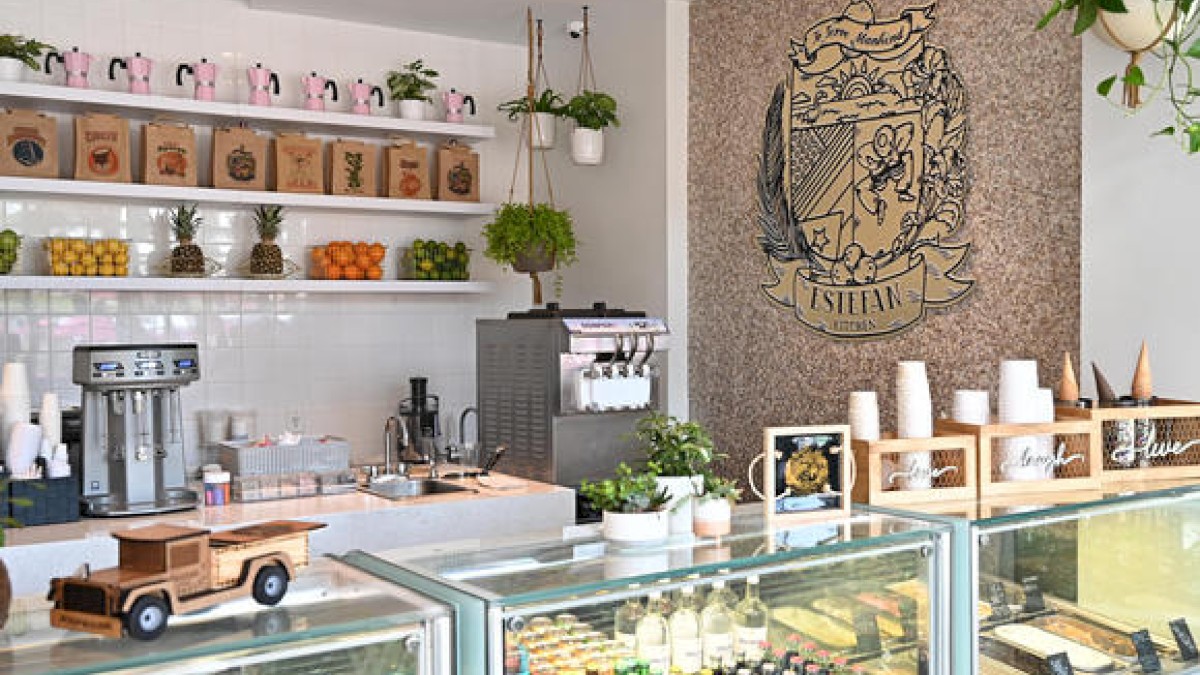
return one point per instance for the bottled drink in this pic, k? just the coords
(654, 636)
(626, 620)
(686, 645)
(716, 629)
(750, 619)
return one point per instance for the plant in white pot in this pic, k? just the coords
(592, 112)
(712, 515)
(678, 453)
(409, 86)
(547, 108)
(634, 506)
(18, 54)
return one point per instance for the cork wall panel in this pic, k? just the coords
(753, 364)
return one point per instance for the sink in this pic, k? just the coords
(415, 487)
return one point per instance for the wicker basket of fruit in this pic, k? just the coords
(80, 257)
(10, 247)
(351, 261)
(436, 261)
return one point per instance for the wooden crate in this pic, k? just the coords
(1074, 439)
(954, 459)
(1174, 452)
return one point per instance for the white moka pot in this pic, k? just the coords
(712, 516)
(681, 490)
(11, 70)
(412, 109)
(636, 528)
(544, 126)
(587, 146)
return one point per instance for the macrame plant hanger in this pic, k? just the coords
(535, 74)
(587, 73)
(1132, 97)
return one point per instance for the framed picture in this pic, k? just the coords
(809, 472)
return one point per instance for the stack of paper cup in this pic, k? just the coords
(971, 406)
(864, 415)
(1023, 402)
(1018, 389)
(914, 419)
(15, 398)
(25, 440)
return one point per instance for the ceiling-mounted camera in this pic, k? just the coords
(575, 29)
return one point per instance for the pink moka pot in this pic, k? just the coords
(262, 83)
(361, 93)
(314, 90)
(138, 69)
(76, 64)
(455, 102)
(205, 76)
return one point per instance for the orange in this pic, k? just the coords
(377, 252)
(318, 254)
(361, 248)
(333, 272)
(353, 273)
(343, 256)
(363, 261)
(375, 272)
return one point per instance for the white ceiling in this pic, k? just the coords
(491, 20)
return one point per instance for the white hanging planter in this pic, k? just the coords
(12, 70)
(587, 146)
(712, 516)
(636, 528)
(681, 490)
(543, 130)
(412, 109)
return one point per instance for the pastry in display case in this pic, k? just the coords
(754, 599)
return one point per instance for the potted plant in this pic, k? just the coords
(531, 239)
(18, 53)
(633, 504)
(546, 109)
(408, 86)
(592, 112)
(712, 514)
(678, 453)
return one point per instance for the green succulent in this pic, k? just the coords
(411, 82)
(626, 492)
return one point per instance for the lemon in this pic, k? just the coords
(58, 245)
(121, 270)
(78, 245)
(107, 270)
(61, 269)
(76, 269)
(70, 257)
(88, 259)
(91, 270)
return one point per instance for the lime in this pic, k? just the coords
(9, 240)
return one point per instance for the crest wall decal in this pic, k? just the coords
(863, 176)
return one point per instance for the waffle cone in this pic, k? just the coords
(1143, 381)
(1104, 390)
(1068, 387)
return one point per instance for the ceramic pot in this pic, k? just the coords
(11, 70)
(412, 109)
(712, 517)
(636, 528)
(587, 146)
(681, 490)
(543, 130)
(536, 259)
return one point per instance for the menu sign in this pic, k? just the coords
(1034, 602)
(1147, 656)
(1183, 638)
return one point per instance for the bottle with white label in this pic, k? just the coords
(750, 624)
(716, 629)
(686, 645)
(654, 636)
(625, 621)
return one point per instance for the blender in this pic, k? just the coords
(422, 428)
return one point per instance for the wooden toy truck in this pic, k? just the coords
(169, 569)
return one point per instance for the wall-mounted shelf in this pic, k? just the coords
(166, 193)
(226, 285)
(54, 98)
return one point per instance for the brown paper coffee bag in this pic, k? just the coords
(352, 168)
(407, 170)
(458, 173)
(102, 148)
(168, 154)
(239, 159)
(299, 164)
(29, 144)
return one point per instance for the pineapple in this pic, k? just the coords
(266, 257)
(187, 258)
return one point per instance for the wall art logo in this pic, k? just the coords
(863, 176)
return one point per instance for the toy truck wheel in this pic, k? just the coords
(270, 585)
(148, 618)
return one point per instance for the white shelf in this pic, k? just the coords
(166, 193)
(227, 285)
(54, 98)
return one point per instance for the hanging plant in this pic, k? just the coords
(1172, 42)
(531, 240)
(550, 102)
(593, 110)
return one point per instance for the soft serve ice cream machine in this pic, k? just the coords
(133, 448)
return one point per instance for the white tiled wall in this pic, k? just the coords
(343, 361)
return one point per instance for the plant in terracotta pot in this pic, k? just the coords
(633, 504)
(592, 112)
(712, 513)
(18, 53)
(679, 455)
(531, 239)
(409, 86)
(547, 108)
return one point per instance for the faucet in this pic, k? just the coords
(390, 428)
(462, 428)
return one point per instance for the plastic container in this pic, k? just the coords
(311, 455)
(80, 257)
(435, 261)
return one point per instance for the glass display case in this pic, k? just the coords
(862, 594)
(1095, 576)
(334, 619)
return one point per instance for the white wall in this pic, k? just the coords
(343, 360)
(1140, 239)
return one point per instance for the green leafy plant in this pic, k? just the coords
(517, 229)
(549, 101)
(674, 447)
(411, 82)
(593, 110)
(626, 492)
(1178, 53)
(25, 50)
(715, 487)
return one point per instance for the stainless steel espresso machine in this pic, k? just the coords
(563, 389)
(133, 459)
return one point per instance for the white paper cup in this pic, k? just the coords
(971, 407)
(24, 442)
(864, 415)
